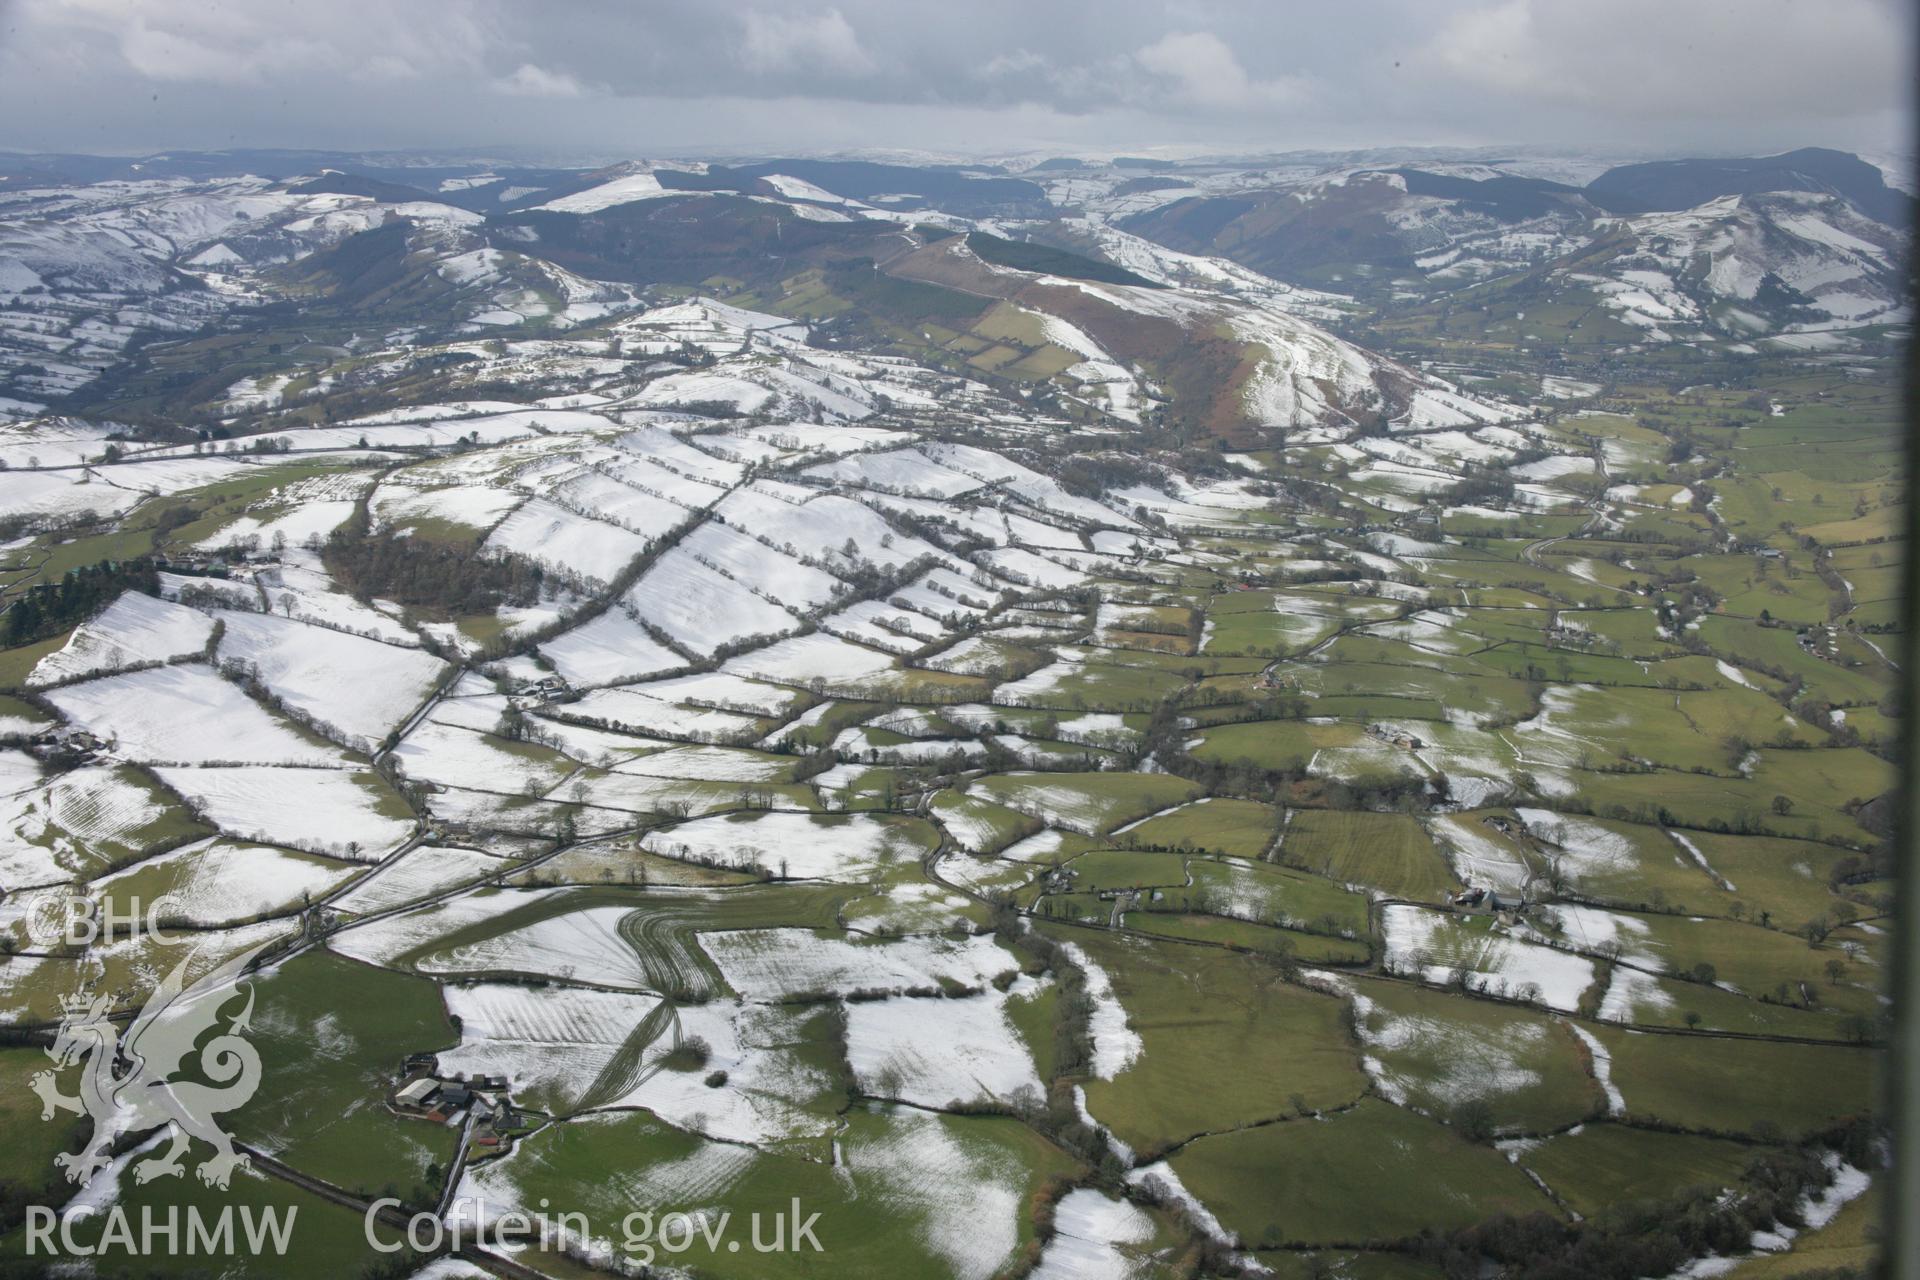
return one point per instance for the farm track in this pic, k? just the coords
(628, 1069)
(673, 961)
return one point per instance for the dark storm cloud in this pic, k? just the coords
(994, 75)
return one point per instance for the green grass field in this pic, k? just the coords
(1090, 803)
(27, 1162)
(877, 1214)
(1280, 895)
(1438, 1050)
(1668, 1001)
(1390, 850)
(1273, 744)
(1605, 1165)
(1205, 1014)
(1376, 1173)
(1242, 828)
(1757, 961)
(1739, 1086)
(1126, 869)
(17, 663)
(1312, 948)
(1311, 1264)
(1639, 865)
(331, 1033)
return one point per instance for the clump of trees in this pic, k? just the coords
(48, 608)
(1480, 488)
(411, 571)
(1094, 475)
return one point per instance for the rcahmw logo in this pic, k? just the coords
(76, 921)
(129, 1085)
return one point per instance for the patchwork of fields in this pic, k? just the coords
(802, 772)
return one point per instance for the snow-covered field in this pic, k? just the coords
(582, 945)
(803, 659)
(611, 648)
(221, 882)
(770, 964)
(133, 630)
(591, 550)
(700, 610)
(956, 1051)
(807, 847)
(1090, 1232)
(361, 687)
(416, 874)
(553, 1042)
(63, 827)
(326, 811)
(452, 755)
(185, 715)
(969, 1208)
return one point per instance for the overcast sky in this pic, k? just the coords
(607, 78)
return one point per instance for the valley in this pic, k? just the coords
(1315, 718)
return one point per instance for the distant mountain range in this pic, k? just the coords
(1243, 295)
(1808, 238)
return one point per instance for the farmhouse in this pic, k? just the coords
(71, 737)
(1396, 737)
(446, 1096)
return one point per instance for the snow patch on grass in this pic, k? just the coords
(966, 1195)
(1435, 945)
(1092, 1233)
(1602, 1069)
(1630, 990)
(1116, 1045)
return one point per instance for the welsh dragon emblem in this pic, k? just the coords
(127, 1086)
